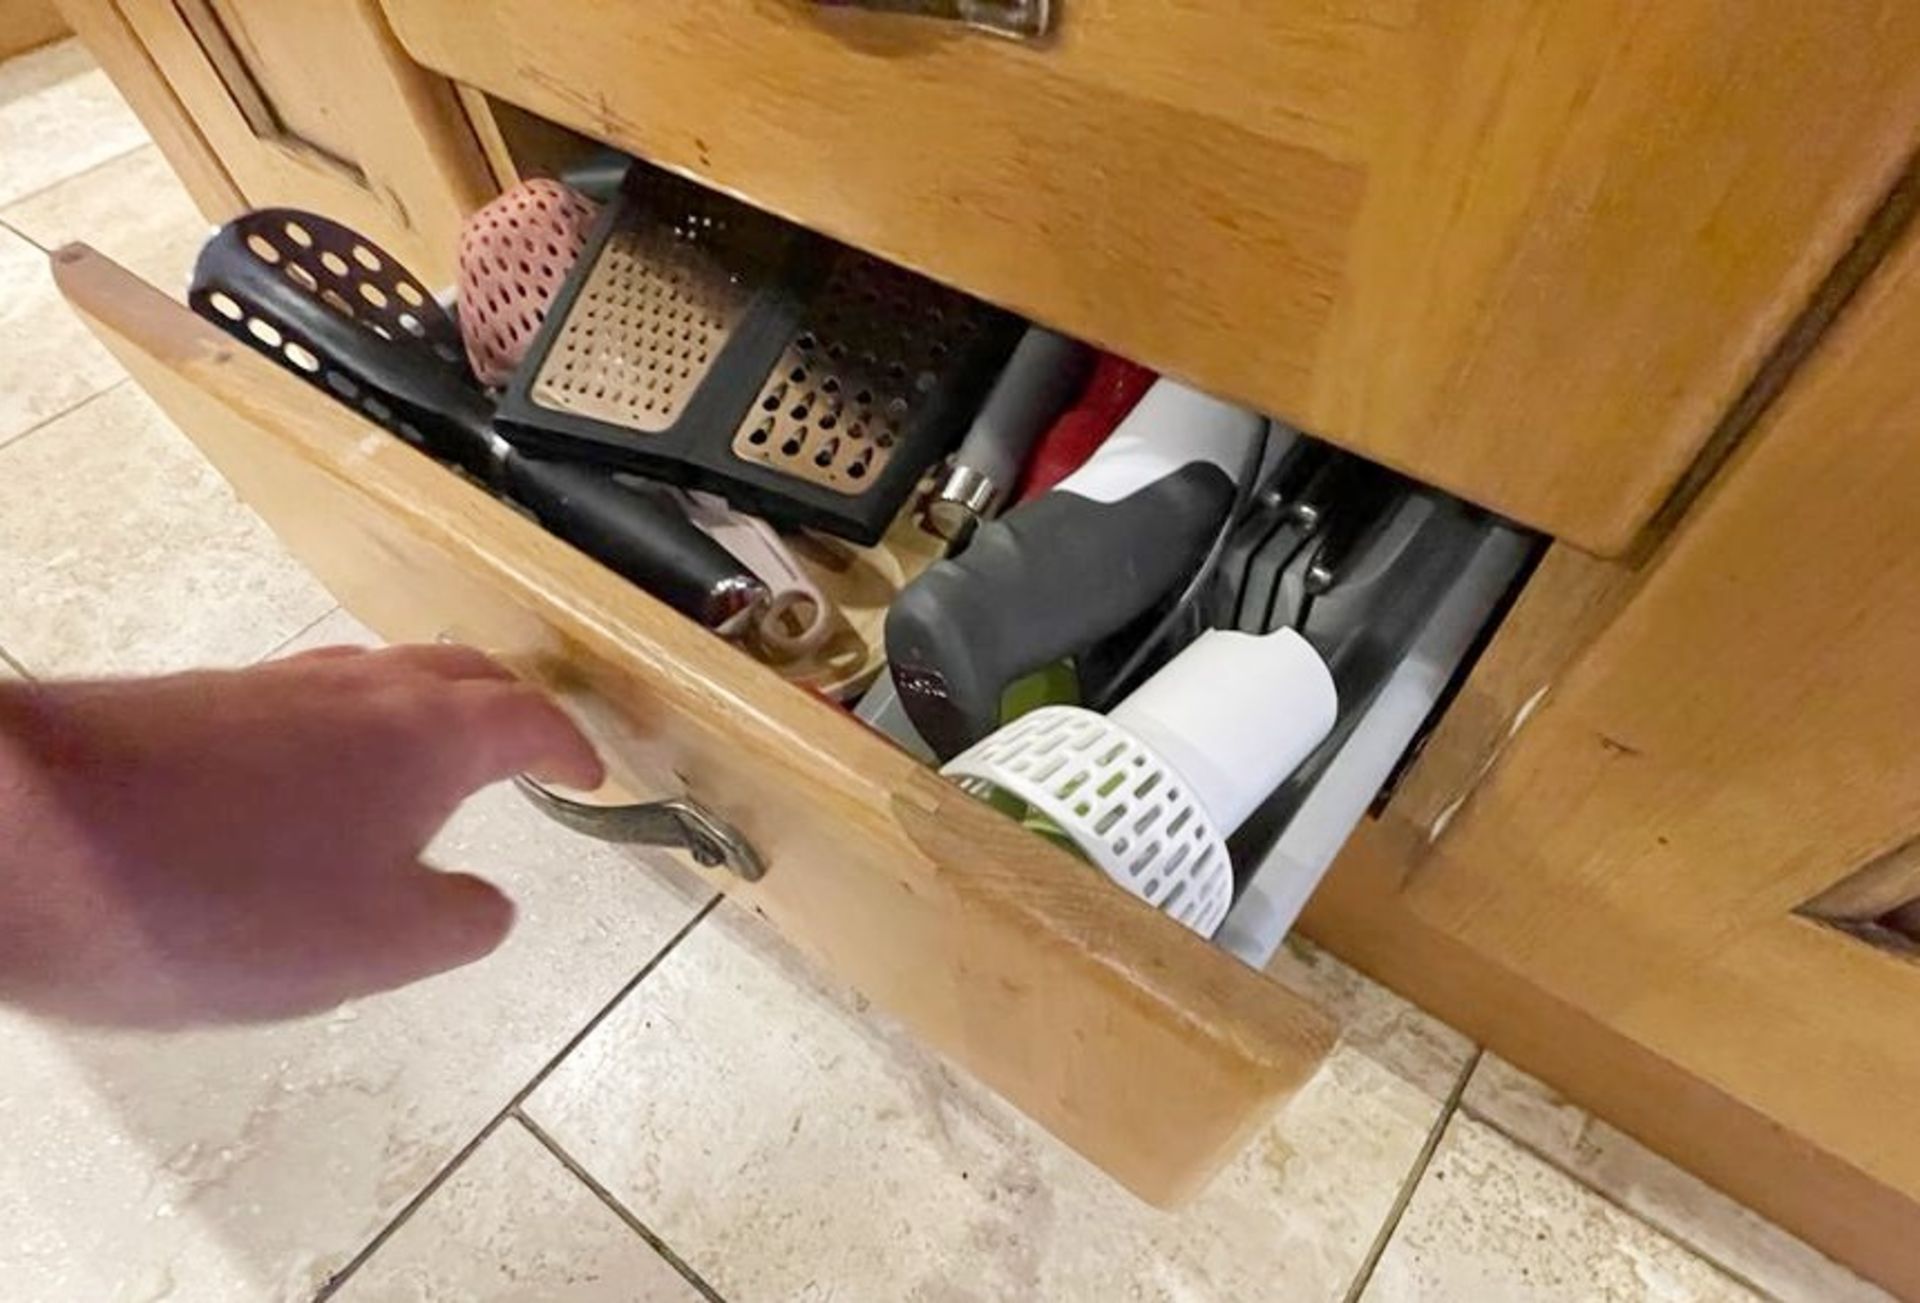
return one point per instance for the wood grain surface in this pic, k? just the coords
(1567, 601)
(1150, 1051)
(117, 48)
(1528, 252)
(28, 24)
(1738, 740)
(310, 106)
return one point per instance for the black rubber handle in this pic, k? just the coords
(1048, 579)
(643, 536)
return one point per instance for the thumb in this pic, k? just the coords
(340, 947)
(427, 922)
(421, 922)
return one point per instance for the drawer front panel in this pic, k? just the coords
(1142, 1046)
(1529, 253)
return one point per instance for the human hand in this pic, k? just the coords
(239, 845)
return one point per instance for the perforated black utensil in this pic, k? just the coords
(708, 343)
(344, 315)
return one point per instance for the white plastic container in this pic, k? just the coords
(1234, 714)
(1151, 792)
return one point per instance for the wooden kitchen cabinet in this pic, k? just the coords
(1657, 862)
(25, 24)
(1532, 254)
(308, 105)
(1574, 262)
(1529, 252)
(1739, 740)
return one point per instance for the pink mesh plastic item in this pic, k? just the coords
(514, 255)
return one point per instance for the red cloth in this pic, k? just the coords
(1111, 391)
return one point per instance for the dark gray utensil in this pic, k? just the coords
(1058, 574)
(1041, 377)
(1382, 587)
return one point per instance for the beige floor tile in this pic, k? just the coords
(513, 1223)
(791, 1145)
(59, 115)
(1635, 1177)
(1491, 1223)
(133, 209)
(250, 1163)
(1394, 1033)
(49, 362)
(123, 551)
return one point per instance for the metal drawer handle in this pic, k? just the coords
(676, 823)
(1024, 20)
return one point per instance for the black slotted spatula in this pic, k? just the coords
(341, 313)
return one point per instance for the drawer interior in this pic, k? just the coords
(1402, 662)
(1417, 577)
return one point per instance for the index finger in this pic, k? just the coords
(510, 728)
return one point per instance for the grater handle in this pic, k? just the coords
(1043, 375)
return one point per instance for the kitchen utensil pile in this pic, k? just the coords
(709, 401)
(707, 344)
(341, 313)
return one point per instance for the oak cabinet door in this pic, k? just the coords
(1730, 771)
(310, 104)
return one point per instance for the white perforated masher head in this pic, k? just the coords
(1128, 810)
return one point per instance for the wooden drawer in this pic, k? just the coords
(1139, 1044)
(1527, 252)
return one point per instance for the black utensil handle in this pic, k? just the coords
(1040, 378)
(1046, 580)
(638, 535)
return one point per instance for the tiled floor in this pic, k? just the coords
(641, 1096)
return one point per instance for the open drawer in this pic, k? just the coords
(1139, 1044)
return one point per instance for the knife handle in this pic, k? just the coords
(1044, 373)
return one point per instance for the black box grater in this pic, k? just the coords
(704, 342)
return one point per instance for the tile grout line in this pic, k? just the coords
(88, 170)
(298, 634)
(619, 1209)
(25, 675)
(339, 1278)
(1665, 1233)
(15, 440)
(1417, 1174)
